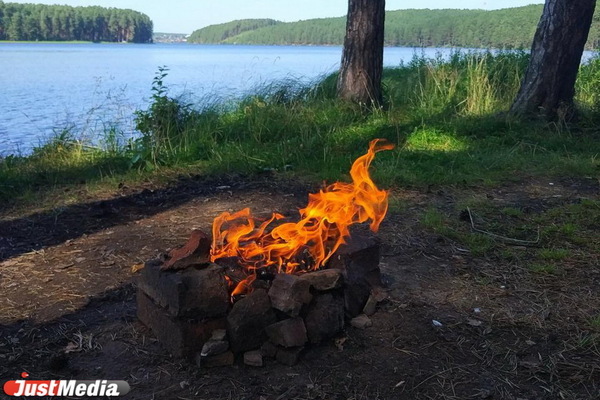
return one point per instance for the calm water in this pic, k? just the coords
(89, 87)
(46, 87)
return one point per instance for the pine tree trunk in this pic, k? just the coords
(362, 58)
(549, 84)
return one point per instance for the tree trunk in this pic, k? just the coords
(362, 58)
(549, 84)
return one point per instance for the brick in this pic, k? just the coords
(247, 321)
(214, 347)
(358, 260)
(253, 358)
(288, 333)
(268, 349)
(325, 279)
(182, 337)
(289, 293)
(361, 322)
(192, 292)
(219, 334)
(195, 251)
(220, 360)
(325, 316)
(289, 356)
(371, 305)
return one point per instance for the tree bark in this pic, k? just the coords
(362, 58)
(549, 83)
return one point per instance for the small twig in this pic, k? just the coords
(503, 238)
(433, 376)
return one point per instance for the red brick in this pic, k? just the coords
(247, 321)
(325, 316)
(325, 279)
(195, 251)
(358, 259)
(289, 293)
(192, 292)
(182, 337)
(288, 333)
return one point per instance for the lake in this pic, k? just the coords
(47, 87)
(90, 87)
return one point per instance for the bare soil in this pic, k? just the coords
(456, 326)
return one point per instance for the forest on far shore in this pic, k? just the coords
(39, 22)
(510, 28)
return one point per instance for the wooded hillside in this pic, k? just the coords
(221, 32)
(35, 22)
(511, 28)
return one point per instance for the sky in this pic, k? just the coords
(185, 16)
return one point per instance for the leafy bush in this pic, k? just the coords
(162, 125)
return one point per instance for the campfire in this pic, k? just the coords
(267, 287)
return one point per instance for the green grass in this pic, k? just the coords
(595, 322)
(512, 211)
(543, 268)
(433, 219)
(554, 254)
(443, 116)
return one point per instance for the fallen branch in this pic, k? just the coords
(504, 238)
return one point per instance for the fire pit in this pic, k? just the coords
(268, 288)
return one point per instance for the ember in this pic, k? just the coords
(268, 247)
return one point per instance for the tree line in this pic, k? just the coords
(218, 33)
(33, 22)
(511, 28)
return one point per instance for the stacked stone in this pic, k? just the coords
(190, 312)
(183, 307)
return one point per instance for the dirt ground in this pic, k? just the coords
(458, 325)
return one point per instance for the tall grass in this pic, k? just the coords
(443, 114)
(468, 84)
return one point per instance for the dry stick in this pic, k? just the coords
(504, 238)
(433, 376)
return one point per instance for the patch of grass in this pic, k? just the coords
(569, 229)
(554, 254)
(587, 341)
(397, 204)
(595, 322)
(478, 244)
(512, 211)
(543, 268)
(435, 220)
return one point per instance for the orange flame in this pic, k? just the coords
(309, 243)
